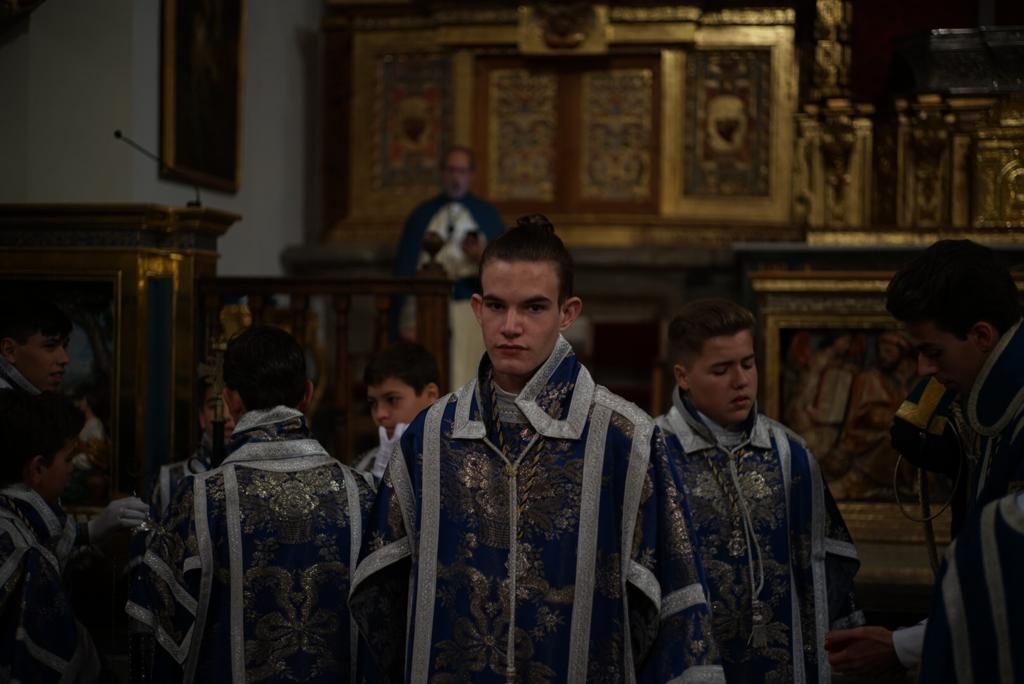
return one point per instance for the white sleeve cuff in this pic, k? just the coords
(908, 643)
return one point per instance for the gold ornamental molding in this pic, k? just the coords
(599, 231)
(630, 15)
(911, 238)
(750, 17)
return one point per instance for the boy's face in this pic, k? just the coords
(41, 359)
(952, 361)
(722, 379)
(520, 317)
(393, 402)
(49, 480)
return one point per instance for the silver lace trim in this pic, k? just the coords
(268, 451)
(996, 590)
(179, 652)
(378, 560)
(586, 544)
(841, 548)
(265, 417)
(355, 526)
(701, 674)
(9, 372)
(955, 616)
(235, 589)
(979, 386)
(429, 527)
(164, 572)
(201, 523)
(681, 599)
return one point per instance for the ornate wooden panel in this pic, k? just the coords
(617, 135)
(413, 119)
(523, 120)
(727, 142)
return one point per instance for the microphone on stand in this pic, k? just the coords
(139, 148)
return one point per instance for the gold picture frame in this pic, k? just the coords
(835, 368)
(201, 126)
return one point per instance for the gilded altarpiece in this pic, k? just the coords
(728, 107)
(586, 115)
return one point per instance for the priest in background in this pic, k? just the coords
(465, 223)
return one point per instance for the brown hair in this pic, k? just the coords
(533, 239)
(700, 320)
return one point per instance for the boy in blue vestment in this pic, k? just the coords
(530, 527)
(40, 639)
(401, 380)
(778, 559)
(246, 576)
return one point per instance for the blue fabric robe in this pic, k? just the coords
(40, 639)
(574, 554)
(246, 577)
(808, 556)
(976, 627)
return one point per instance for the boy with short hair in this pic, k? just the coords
(961, 310)
(778, 559)
(247, 576)
(33, 344)
(528, 527)
(40, 639)
(401, 380)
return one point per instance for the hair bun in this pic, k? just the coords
(536, 221)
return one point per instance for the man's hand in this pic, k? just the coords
(472, 247)
(861, 651)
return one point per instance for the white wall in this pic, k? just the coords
(82, 68)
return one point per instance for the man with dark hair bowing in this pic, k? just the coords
(962, 313)
(247, 575)
(533, 515)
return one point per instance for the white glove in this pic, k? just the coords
(128, 512)
(386, 446)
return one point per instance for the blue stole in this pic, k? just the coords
(40, 639)
(995, 413)
(976, 626)
(803, 548)
(247, 575)
(565, 556)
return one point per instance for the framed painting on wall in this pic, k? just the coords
(836, 367)
(201, 127)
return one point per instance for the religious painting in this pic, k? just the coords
(523, 126)
(618, 115)
(727, 139)
(202, 92)
(413, 118)
(836, 367)
(89, 378)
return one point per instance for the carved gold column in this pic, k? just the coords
(998, 191)
(831, 73)
(924, 153)
(832, 165)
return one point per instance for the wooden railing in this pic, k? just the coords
(429, 292)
